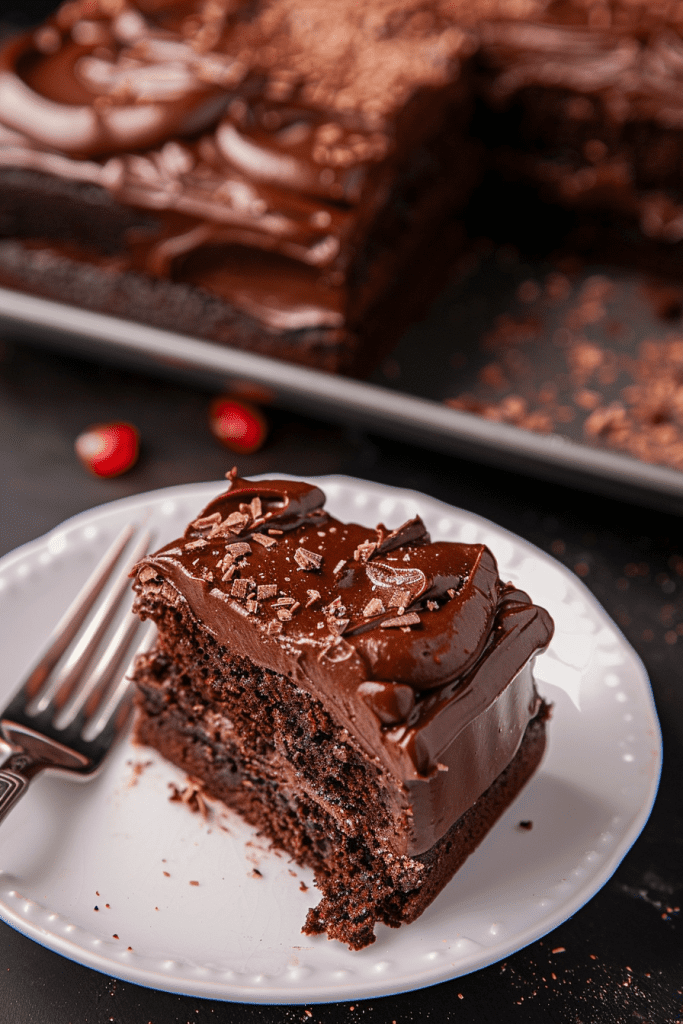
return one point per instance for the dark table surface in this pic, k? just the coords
(622, 955)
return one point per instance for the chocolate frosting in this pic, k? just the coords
(419, 649)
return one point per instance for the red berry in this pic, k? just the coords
(108, 449)
(238, 425)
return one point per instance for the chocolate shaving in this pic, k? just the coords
(229, 573)
(241, 587)
(256, 508)
(410, 619)
(237, 521)
(284, 602)
(284, 614)
(308, 560)
(206, 522)
(238, 608)
(252, 605)
(265, 591)
(364, 551)
(239, 548)
(193, 544)
(266, 542)
(413, 531)
(312, 597)
(222, 530)
(433, 606)
(338, 625)
(146, 573)
(275, 533)
(399, 599)
(274, 626)
(373, 607)
(340, 565)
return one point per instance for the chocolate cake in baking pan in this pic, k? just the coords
(286, 176)
(260, 174)
(364, 698)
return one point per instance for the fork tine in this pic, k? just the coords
(101, 724)
(100, 709)
(56, 694)
(96, 679)
(73, 618)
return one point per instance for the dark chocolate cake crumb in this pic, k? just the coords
(192, 796)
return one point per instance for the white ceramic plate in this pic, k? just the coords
(118, 844)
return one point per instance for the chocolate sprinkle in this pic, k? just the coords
(410, 619)
(263, 540)
(206, 522)
(241, 587)
(373, 607)
(239, 549)
(413, 531)
(364, 551)
(308, 560)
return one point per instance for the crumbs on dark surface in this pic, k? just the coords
(597, 357)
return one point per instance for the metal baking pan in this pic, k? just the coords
(437, 359)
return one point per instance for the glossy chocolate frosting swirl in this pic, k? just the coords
(413, 643)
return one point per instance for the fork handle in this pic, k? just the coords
(15, 775)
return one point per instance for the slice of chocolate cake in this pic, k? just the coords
(363, 697)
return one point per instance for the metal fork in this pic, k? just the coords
(68, 719)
